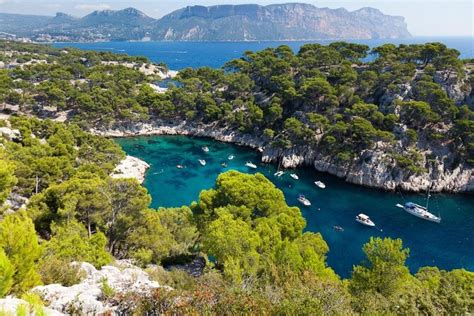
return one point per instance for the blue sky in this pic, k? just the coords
(424, 17)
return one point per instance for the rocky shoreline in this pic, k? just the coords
(374, 169)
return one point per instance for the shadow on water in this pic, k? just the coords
(447, 245)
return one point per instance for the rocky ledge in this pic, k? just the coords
(375, 168)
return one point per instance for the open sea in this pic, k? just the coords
(448, 245)
(179, 55)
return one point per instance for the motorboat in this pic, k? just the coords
(205, 149)
(279, 173)
(320, 184)
(294, 176)
(250, 165)
(230, 157)
(224, 165)
(338, 228)
(303, 200)
(180, 166)
(420, 211)
(364, 220)
(202, 162)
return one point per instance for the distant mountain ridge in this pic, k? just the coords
(292, 21)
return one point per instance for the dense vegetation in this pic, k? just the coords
(260, 262)
(324, 97)
(258, 258)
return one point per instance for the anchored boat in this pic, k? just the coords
(420, 211)
(294, 176)
(202, 162)
(303, 200)
(364, 220)
(205, 149)
(250, 165)
(320, 184)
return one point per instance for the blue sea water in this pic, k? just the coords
(179, 55)
(447, 245)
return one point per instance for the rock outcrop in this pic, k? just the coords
(131, 167)
(88, 297)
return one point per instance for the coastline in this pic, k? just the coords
(374, 169)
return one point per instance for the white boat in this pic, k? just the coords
(279, 173)
(320, 184)
(420, 211)
(202, 162)
(250, 165)
(364, 220)
(230, 157)
(180, 166)
(303, 200)
(205, 149)
(294, 176)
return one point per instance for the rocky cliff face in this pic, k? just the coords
(294, 21)
(374, 168)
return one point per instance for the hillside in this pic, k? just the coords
(216, 23)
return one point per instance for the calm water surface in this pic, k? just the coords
(447, 245)
(179, 55)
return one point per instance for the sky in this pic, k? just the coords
(424, 17)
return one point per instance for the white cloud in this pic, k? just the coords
(91, 7)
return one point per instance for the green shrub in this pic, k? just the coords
(20, 244)
(54, 270)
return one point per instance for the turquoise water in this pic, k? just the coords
(179, 55)
(447, 245)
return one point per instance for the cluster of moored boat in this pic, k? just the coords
(410, 207)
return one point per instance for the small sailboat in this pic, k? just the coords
(250, 165)
(205, 149)
(320, 184)
(230, 157)
(338, 228)
(294, 176)
(224, 165)
(279, 173)
(364, 220)
(420, 211)
(303, 200)
(202, 162)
